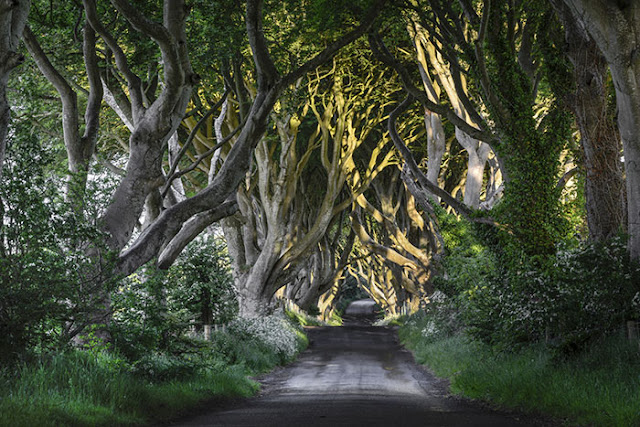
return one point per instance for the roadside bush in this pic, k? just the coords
(260, 343)
(46, 277)
(567, 300)
(156, 309)
(597, 387)
(590, 294)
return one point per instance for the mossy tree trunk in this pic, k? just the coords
(615, 27)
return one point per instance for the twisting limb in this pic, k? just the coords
(199, 160)
(237, 161)
(417, 174)
(80, 149)
(192, 228)
(382, 53)
(133, 81)
(185, 146)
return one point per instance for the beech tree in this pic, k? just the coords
(13, 18)
(270, 85)
(588, 99)
(152, 109)
(493, 47)
(279, 226)
(616, 30)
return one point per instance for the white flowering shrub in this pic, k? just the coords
(261, 343)
(505, 298)
(275, 331)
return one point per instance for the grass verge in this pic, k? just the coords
(79, 388)
(600, 387)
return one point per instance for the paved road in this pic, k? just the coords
(354, 376)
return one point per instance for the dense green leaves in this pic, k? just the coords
(154, 308)
(45, 273)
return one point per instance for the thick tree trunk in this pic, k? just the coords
(251, 305)
(628, 100)
(252, 262)
(13, 17)
(604, 186)
(600, 138)
(615, 27)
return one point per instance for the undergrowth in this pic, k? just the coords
(598, 386)
(75, 388)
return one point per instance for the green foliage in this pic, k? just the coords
(46, 275)
(335, 14)
(261, 343)
(598, 387)
(221, 39)
(201, 281)
(507, 300)
(153, 308)
(591, 292)
(584, 294)
(77, 388)
(466, 259)
(104, 388)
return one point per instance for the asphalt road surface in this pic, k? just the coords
(355, 375)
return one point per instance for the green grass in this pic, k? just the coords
(78, 388)
(600, 387)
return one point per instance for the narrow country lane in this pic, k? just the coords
(353, 376)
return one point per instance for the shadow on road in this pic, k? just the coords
(355, 375)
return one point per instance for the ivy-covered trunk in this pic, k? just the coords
(529, 147)
(615, 27)
(599, 136)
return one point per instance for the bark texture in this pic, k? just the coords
(605, 191)
(144, 174)
(288, 206)
(615, 27)
(13, 18)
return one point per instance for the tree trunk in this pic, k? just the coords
(478, 153)
(435, 145)
(615, 27)
(600, 138)
(13, 17)
(628, 100)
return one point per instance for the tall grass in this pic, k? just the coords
(78, 388)
(600, 387)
